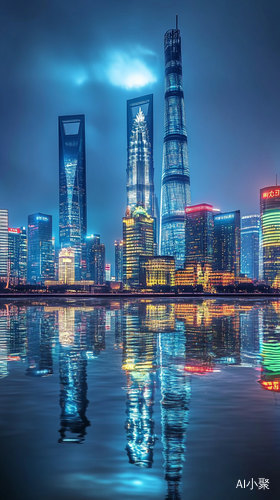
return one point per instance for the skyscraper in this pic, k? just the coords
(270, 233)
(250, 243)
(4, 218)
(199, 233)
(88, 256)
(17, 255)
(175, 189)
(66, 268)
(72, 185)
(40, 265)
(99, 264)
(140, 157)
(138, 239)
(226, 255)
(119, 260)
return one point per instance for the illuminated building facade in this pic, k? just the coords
(138, 239)
(199, 233)
(17, 255)
(250, 244)
(226, 255)
(66, 266)
(88, 256)
(119, 260)
(99, 264)
(175, 190)
(72, 185)
(107, 272)
(140, 160)
(270, 233)
(40, 265)
(156, 271)
(4, 223)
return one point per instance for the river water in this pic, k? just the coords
(140, 399)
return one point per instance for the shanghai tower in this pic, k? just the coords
(175, 187)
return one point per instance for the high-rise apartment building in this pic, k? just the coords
(175, 190)
(119, 260)
(140, 157)
(40, 265)
(4, 223)
(250, 244)
(138, 239)
(226, 255)
(270, 233)
(199, 233)
(72, 185)
(17, 255)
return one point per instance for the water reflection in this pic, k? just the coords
(40, 329)
(139, 362)
(163, 346)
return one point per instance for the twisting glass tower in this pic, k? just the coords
(72, 185)
(140, 163)
(175, 190)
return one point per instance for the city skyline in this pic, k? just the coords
(231, 101)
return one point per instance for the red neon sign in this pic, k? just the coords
(198, 208)
(198, 369)
(13, 230)
(271, 194)
(271, 385)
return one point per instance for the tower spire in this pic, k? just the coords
(176, 21)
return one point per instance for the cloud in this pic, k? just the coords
(126, 70)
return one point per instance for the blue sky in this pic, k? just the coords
(88, 58)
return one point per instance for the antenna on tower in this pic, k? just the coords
(276, 179)
(176, 21)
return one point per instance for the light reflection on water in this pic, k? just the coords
(164, 346)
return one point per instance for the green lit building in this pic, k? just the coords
(270, 234)
(138, 239)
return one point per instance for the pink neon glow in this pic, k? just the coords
(198, 208)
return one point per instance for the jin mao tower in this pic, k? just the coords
(140, 162)
(175, 187)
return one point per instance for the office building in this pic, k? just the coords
(199, 233)
(138, 239)
(40, 265)
(23, 256)
(17, 255)
(107, 272)
(140, 161)
(88, 256)
(119, 260)
(156, 271)
(226, 255)
(66, 267)
(270, 234)
(99, 264)
(72, 185)
(175, 189)
(4, 223)
(250, 244)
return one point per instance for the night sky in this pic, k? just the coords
(88, 57)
